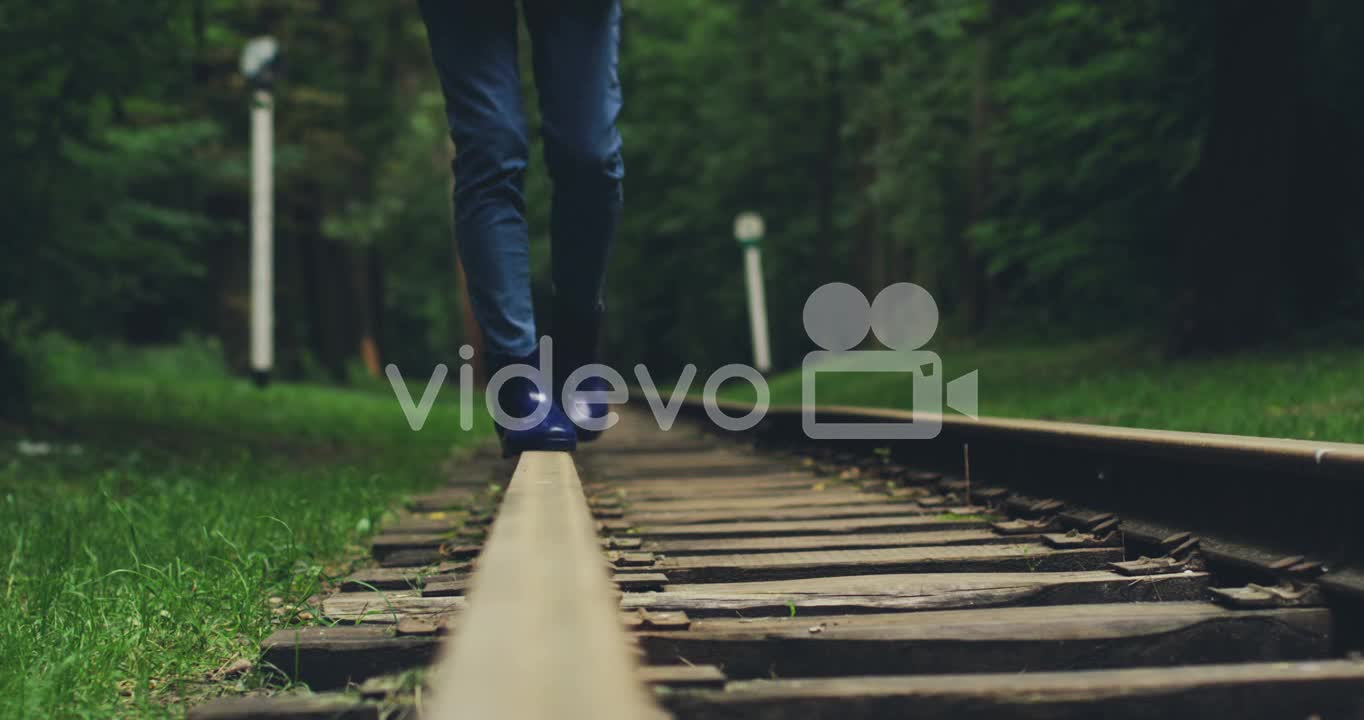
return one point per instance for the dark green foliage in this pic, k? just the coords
(125, 176)
(1035, 164)
(1052, 166)
(1102, 118)
(13, 373)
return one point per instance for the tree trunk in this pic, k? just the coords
(1239, 215)
(369, 303)
(869, 246)
(827, 172)
(975, 283)
(331, 325)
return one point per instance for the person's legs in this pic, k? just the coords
(473, 43)
(575, 46)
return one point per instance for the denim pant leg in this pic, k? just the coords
(575, 46)
(473, 43)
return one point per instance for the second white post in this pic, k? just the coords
(262, 240)
(748, 230)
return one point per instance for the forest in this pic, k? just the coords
(1189, 171)
(1136, 213)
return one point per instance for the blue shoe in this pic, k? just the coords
(577, 334)
(520, 397)
(582, 413)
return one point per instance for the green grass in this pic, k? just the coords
(1313, 393)
(156, 505)
(142, 543)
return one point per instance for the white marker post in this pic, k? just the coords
(748, 230)
(257, 64)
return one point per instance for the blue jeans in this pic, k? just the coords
(574, 46)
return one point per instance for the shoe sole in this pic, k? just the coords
(513, 449)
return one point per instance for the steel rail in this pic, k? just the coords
(542, 636)
(1283, 453)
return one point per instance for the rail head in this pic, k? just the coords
(542, 635)
(1308, 456)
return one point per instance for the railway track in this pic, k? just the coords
(1073, 572)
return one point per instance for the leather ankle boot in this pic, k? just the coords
(522, 395)
(577, 336)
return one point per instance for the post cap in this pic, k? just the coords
(748, 228)
(258, 59)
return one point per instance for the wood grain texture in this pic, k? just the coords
(1026, 639)
(772, 501)
(836, 526)
(331, 657)
(785, 543)
(305, 707)
(741, 487)
(386, 607)
(1251, 691)
(765, 514)
(915, 592)
(1022, 557)
(668, 469)
(670, 485)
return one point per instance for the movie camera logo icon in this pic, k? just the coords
(904, 317)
